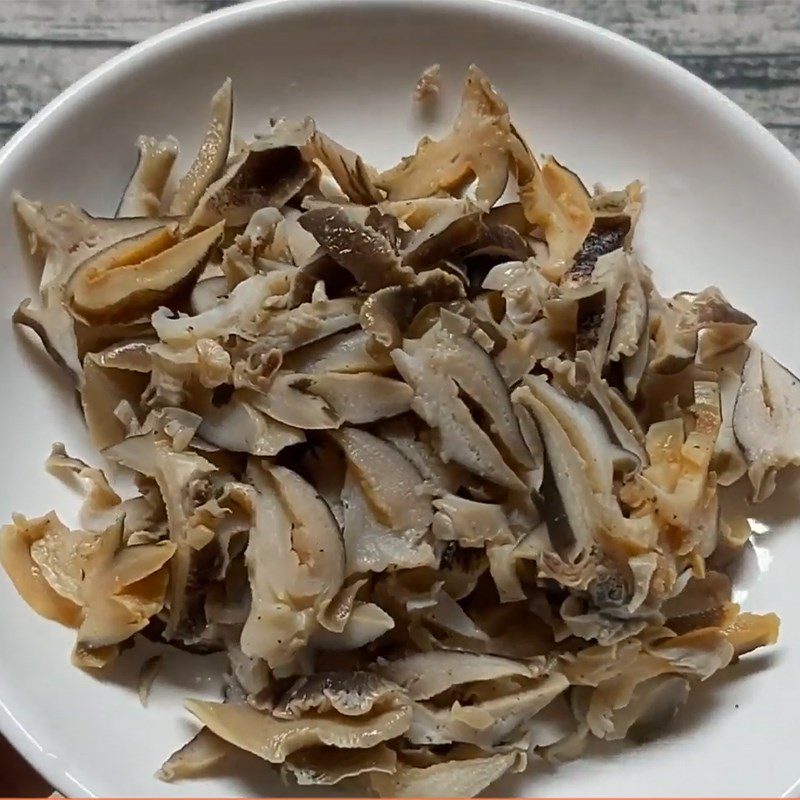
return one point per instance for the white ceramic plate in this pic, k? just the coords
(722, 208)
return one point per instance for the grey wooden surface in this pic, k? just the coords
(750, 49)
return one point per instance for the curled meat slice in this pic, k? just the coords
(353, 176)
(209, 162)
(486, 721)
(143, 195)
(89, 581)
(269, 171)
(350, 694)
(326, 766)
(136, 276)
(438, 401)
(295, 563)
(478, 146)
(463, 773)
(323, 401)
(364, 252)
(765, 420)
(275, 739)
(425, 675)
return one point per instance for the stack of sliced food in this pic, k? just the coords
(422, 463)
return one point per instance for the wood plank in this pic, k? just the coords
(98, 21)
(695, 26)
(669, 26)
(32, 76)
(80, 35)
(770, 105)
(765, 86)
(737, 71)
(789, 136)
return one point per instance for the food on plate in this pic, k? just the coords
(423, 451)
(428, 84)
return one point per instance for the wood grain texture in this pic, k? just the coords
(749, 49)
(673, 27)
(669, 26)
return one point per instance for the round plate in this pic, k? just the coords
(723, 204)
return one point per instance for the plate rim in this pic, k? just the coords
(110, 71)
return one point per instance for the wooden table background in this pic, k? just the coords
(749, 49)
